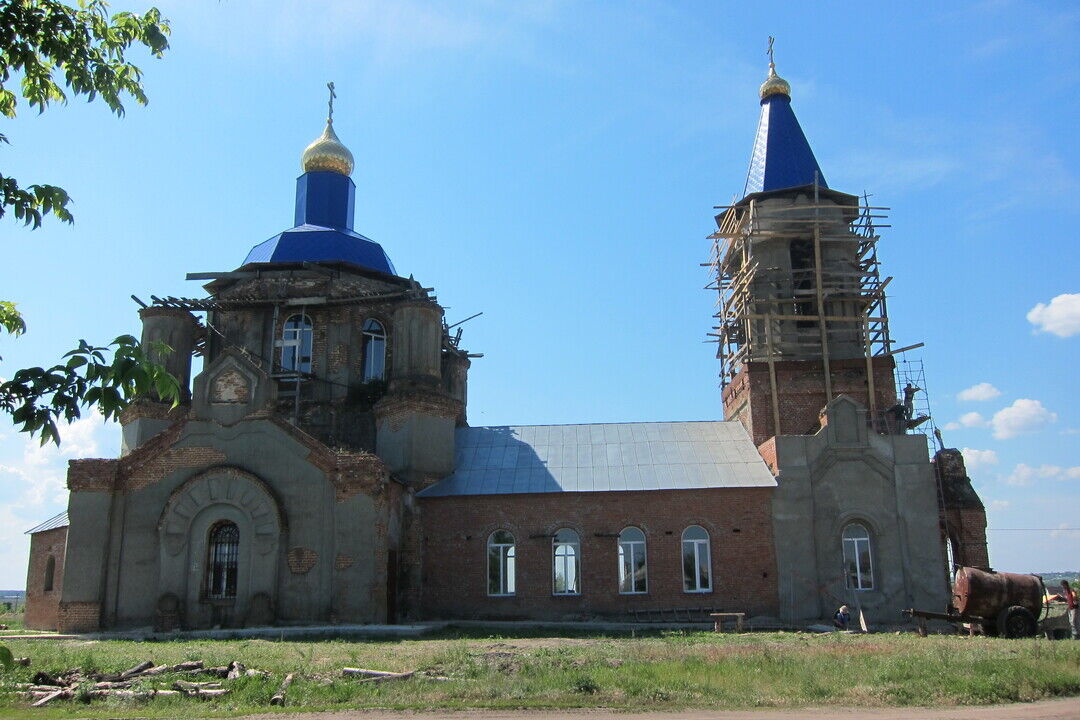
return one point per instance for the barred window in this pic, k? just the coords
(502, 560)
(633, 575)
(222, 566)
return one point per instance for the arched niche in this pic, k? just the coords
(223, 494)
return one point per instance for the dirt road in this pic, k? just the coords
(1068, 709)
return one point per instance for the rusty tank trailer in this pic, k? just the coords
(1005, 604)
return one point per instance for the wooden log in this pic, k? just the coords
(112, 685)
(23, 662)
(59, 693)
(137, 670)
(394, 676)
(279, 696)
(184, 685)
(236, 669)
(43, 678)
(361, 672)
(187, 665)
(211, 692)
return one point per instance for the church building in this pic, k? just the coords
(321, 468)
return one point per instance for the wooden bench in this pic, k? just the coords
(719, 618)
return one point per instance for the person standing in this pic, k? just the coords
(1071, 604)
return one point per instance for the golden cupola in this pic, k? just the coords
(774, 84)
(327, 154)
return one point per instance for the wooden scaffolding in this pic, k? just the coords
(777, 311)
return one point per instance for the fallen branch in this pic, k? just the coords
(279, 696)
(395, 676)
(236, 669)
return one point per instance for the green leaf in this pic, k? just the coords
(6, 658)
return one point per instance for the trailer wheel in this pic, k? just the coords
(1016, 622)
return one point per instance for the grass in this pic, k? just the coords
(661, 671)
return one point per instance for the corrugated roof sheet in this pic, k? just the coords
(603, 457)
(52, 523)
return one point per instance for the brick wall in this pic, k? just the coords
(42, 605)
(79, 617)
(800, 389)
(455, 532)
(967, 527)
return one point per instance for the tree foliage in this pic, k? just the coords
(51, 51)
(37, 398)
(84, 47)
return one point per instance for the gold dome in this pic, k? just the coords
(774, 84)
(327, 154)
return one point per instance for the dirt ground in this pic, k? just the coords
(1067, 709)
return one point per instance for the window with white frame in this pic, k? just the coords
(501, 559)
(858, 560)
(374, 350)
(697, 565)
(633, 574)
(296, 344)
(566, 561)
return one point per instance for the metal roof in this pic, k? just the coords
(603, 457)
(313, 243)
(782, 156)
(52, 523)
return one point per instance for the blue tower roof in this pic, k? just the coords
(782, 156)
(325, 199)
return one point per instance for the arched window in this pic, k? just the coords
(633, 575)
(566, 556)
(374, 350)
(502, 559)
(221, 567)
(858, 563)
(296, 344)
(50, 573)
(696, 562)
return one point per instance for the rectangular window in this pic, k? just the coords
(501, 568)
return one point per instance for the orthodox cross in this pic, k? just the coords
(769, 51)
(330, 87)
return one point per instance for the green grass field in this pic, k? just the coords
(661, 670)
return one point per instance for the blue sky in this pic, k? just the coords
(555, 165)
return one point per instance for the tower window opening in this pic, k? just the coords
(374, 350)
(802, 279)
(222, 564)
(296, 344)
(50, 574)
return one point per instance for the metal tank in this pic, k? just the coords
(985, 594)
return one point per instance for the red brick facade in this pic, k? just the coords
(800, 389)
(456, 529)
(79, 617)
(44, 583)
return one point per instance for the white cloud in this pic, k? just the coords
(976, 459)
(978, 393)
(1023, 416)
(967, 420)
(1061, 317)
(999, 504)
(1024, 475)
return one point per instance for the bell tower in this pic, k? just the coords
(802, 317)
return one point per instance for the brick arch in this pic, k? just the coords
(222, 485)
